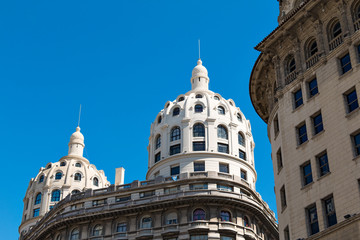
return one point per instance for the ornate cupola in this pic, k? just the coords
(76, 144)
(201, 132)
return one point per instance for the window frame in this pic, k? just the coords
(224, 167)
(242, 154)
(58, 175)
(317, 127)
(175, 149)
(312, 220)
(199, 166)
(222, 146)
(283, 202)
(38, 199)
(298, 100)
(174, 170)
(221, 110)
(199, 214)
(355, 139)
(354, 104)
(176, 111)
(306, 173)
(175, 134)
(313, 90)
(198, 108)
(198, 130)
(301, 137)
(323, 164)
(222, 132)
(345, 66)
(329, 216)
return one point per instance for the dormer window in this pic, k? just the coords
(159, 119)
(198, 108)
(176, 111)
(62, 164)
(239, 117)
(77, 164)
(198, 96)
(58, 176)
(181, 99)
(41, 179)
(217, 98)
(221, 110)
(77, 177)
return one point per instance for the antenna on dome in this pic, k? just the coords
(79, 116)
(199, 49)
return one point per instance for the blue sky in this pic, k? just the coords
(122, 60)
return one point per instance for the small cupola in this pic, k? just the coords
(200, 78)
(76, 144)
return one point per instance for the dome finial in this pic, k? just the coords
(79, 118)
(199, 51)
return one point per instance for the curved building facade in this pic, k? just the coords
(305, 86)
(200, 183)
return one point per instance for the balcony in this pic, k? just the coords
(291, 77)
(336, 42)
(311, 61)
(121, 235)
(145, 233)
(227, 227)
(199, 225)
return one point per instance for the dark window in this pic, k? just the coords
(176, 111)
(330, 211)
(198, 186)
(36, 212)
(49, 166)
(158, 142)
(336, 30)
(291, 65)
(224, 148)
(307, 174)
(175, 134)
(298, 99)
(174, 170)
(279, 159)
(323, 164)
(216, 98)
(199, 130)
(198, 96)
(75, 234)
(121, 227)
(199, 237)
(222, 132)
(223, 167)
(99, 202)
(198, 214)
(75, 191)
(58, 175)
(96, 182)
(352, 101)
(246, 222)
(221, 110)
(175, 149)
(159, 119)
(318, 124)
(345, 63)
(62, 164)
(313, 87)
(198, 108)
(313, 48)
(243, 175)
(157, 157)
(146, 222)
(199, 166)
(241, 139)
(97, 230)
(41, 179)
(356, 140)
(181, 99)
(239, 117)
(302, 135)
(55, 196)
(283, 197)
(123, 199)
(225, 188)
(313, 220)
(242, 154)
(146, 194)
(225, 216)
(38, 198)
(77, 164)
(276, 126)
(77, 177)
(199, 146)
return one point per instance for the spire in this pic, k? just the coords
(200, 79)
(76, 144)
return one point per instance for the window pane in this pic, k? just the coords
(157, 157)
(175, 170)
(224, 148)
(313, 220)
(298, 98)
(357, 144)
(199, 166)
(330, 212)
(323, 164)
(307, 174)
(318, 125)
(175, 149)
(198, 146)
(242, 155)
(199, 130)
(224, 168)
(352, 101)
(313, 88)
(345, 63)
(302, 134)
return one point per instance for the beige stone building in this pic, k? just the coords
(305, 86)
(200, 183)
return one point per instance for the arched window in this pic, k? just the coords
(75, 191)
(241, 139)
(159, 119)
(121, 227)
(49, 166)
(55, 196)
(216, 98)
(181, 99)
(146, 222)
(198, 130)
(198, 96)
(38, 198)
(246, 222)
(58, 237)
(58, 175)
(222, 132)
(96, 181)
(198, 214)
(357, 12)
(77, 164)
(221, 110)
(290, 65)
(171, 218)
(77, 177)
(62, 164)
(175, 134)
(158, 142)
(225, 216)
(75, 234)
(97, 230)
(41, 179)
(335, 30)
(312, 48)
(198, 108)
(176, 111)
(239, 118)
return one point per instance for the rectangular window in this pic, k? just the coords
(175, 170)
(199, 146)
(318, 124)
(225, 188)
(199, 237)
(99, 202)
(283, 197)
(313, 87)
(175, 149)
(302, 134)
(345, 63)
(171, 190)
(286, 233)
(123, 199)
(51, 207)
(306, 173)
(276, 126)
(242, 154)
(330, 211)
(323, 164)
(121, 227)
(157, 157)
(356, 143)
(199, 166)
(298, 99)
(223, 167)
(279, 160)
(243, 175)
(146, 194)
(224, 148)
(198, 186)
(312, 220)
(351, 101)
(36, 212)
(226, 237)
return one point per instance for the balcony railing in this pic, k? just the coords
(291, 77)
(336, 42)
(311, 61)
(357, 25)
(145, 232)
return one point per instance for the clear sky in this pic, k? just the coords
(122, 60)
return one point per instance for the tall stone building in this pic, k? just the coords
(305, 86)
(200, 183)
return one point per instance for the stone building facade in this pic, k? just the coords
(305, 86)
(200, 183)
